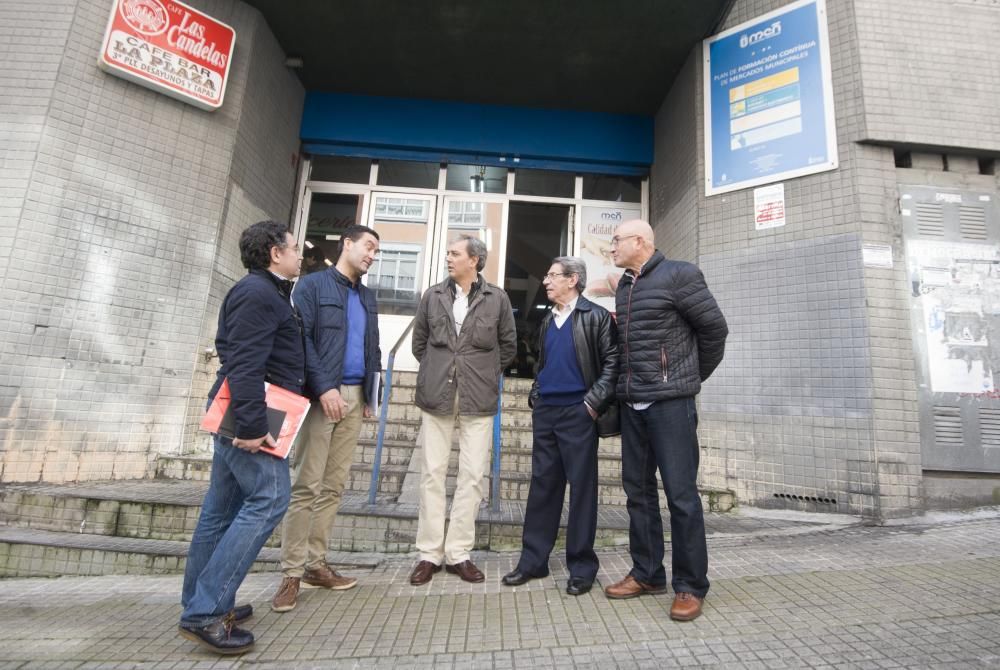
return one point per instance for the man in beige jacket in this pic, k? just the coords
(464, 337)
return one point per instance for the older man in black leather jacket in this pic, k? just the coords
(573, 402)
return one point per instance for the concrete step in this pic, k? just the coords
(119, 512)
(29, 552)
(511, 385)
(517, 459)
(405, 395)
(515, 432)
(394, 452)
(514, 486)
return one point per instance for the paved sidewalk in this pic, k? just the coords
(925, 594)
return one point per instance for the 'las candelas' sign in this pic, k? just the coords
(171, 48)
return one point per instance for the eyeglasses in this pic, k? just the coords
(553, 275)
(615, 241)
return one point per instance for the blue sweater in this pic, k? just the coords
(354, 352)
(560, 382)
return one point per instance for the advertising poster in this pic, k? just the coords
(769, 100)
(170, 48)
(599, 225)
(957, 286)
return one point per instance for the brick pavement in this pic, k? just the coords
(922, 595)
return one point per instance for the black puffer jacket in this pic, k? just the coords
(671, 332)
(596, 346)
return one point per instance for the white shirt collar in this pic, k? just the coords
(570, 306)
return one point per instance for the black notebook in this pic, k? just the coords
(275, 419)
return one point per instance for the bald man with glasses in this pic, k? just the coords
(672, 336)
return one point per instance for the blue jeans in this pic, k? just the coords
(246, 499)
(664, 437)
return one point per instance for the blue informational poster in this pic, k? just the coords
(769, 100)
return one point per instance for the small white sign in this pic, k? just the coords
(769, 206)
(877, 255)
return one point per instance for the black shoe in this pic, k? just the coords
(222, 637)
(515, 577)
(577, 586)
(242, 613)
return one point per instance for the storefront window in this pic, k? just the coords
(476, 179)
(397, 276)
(408, 174)
(341, 169)
(401, 209)
(329, 215)
(479, 219)
(393, 277)
(545, 183)
(612, 187)
(465, 214)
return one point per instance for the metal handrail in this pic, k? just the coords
(383, 414)
(495, 483)
(383, 418)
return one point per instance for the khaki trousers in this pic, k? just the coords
(321, 464)
(475, 439)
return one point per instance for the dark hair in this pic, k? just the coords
(474, 247)
(315, 253)
(257, 241)
(354, 233)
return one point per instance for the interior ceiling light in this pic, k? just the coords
(477, 180)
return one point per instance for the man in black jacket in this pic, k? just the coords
(259, 339)
(572, 401)
(672, 336)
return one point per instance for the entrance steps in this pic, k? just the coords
(143, 526)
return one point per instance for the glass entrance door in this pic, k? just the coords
(482, 217)
(401, 273)
(324, 217)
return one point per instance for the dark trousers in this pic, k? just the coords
(564, 449)
(664, 437)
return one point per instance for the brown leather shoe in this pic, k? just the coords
(423, 573)
(630, 587)
(686, 607)
(287, 595)
(467, 570)
(325, 577)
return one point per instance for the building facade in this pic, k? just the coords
(859, 372)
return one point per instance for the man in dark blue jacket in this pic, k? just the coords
(671, 337)
(340, 318)
(259, 340)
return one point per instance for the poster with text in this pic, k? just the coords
(599, 224)
(769, 100)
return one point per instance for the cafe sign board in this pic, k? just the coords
(171, 48)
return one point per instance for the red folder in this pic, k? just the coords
(286, 412)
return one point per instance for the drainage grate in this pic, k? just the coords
(812, 499)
